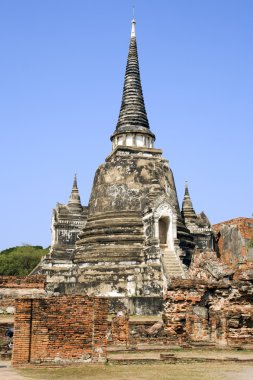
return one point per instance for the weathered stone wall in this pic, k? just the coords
(12, 287)
(136, 305)
(233, 238)
(127, 332)
(207, 266)
(220, 312)
(61, 329)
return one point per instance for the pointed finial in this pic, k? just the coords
(75, 181)
(133, 28)
(187, 207)
(186, 188)
(74, 200)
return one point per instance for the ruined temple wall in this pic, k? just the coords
(218, 312)
(233, 238)
(127, 332)
(119, 330)
(18, 282)
(13, 287)
(61, 329)
(117, 281)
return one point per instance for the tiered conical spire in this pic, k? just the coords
(187, 207)
(74, 198)
(133, 116)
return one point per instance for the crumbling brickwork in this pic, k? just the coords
(220, 312)
(13, 287)
(120, 329)
(18, 282)
(61, 329)
(234, 238)
(207, 266)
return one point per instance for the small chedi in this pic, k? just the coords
(133, 251)
(67, 222)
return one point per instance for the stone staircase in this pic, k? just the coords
(171, 263)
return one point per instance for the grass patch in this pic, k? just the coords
(205, 371)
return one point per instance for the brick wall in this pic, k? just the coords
(12, 287)
(217, 312)
(61, 329)
(17, 282)
(120, 329)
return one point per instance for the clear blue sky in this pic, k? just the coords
(61, 76)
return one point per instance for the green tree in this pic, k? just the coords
(20, 261)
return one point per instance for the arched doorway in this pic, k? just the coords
(163, 230)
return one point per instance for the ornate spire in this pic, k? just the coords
(133, 117)
(74, 198)
(187, 207)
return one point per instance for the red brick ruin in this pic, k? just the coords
(60, 329)
(13, 287)
(219, 312)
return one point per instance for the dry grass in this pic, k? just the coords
(180, 353)
(206, 371)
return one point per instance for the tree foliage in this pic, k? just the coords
(20, 261)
